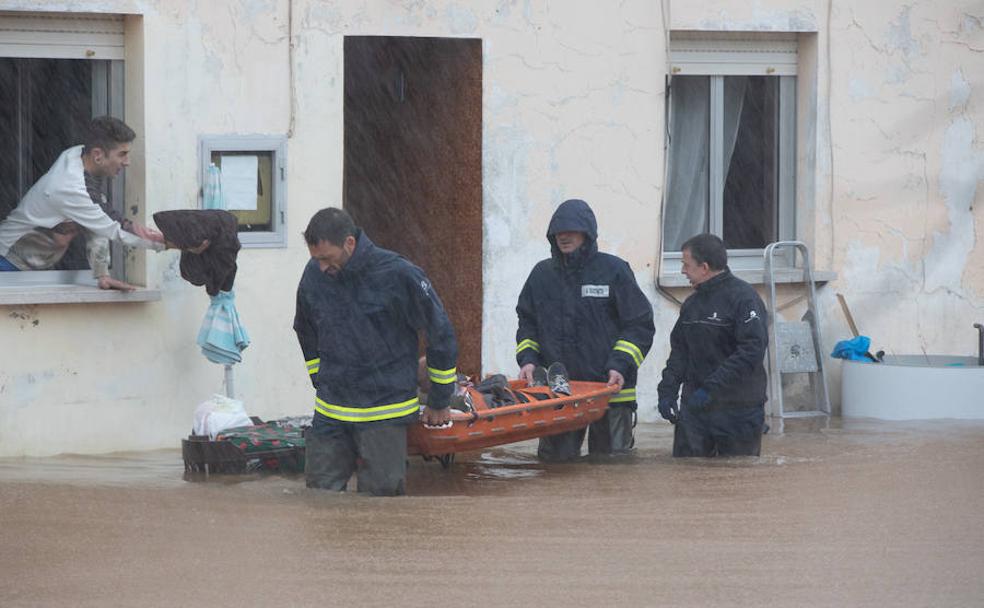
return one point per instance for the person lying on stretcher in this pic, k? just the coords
(547, 384)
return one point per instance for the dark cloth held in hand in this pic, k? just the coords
(215, 268)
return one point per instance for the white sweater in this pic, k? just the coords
(58, 196)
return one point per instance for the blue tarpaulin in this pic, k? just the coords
(855, 349)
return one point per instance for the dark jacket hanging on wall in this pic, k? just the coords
(215, 268)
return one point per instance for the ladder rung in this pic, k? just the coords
(804, 414)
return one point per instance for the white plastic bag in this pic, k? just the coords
(218, 414)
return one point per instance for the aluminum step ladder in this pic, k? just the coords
(795, 346)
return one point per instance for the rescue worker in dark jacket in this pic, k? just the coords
(583, 308)
(359, 308)
(717, 349)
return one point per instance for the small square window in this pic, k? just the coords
(251, 172)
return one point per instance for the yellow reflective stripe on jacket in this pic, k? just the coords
(442, 376)
(313, 365)
(626, 394)
(630, 349)
(527, 343)
(366, 414)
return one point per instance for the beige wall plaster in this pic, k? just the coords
(573, 96)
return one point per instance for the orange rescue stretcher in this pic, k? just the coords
(485, 426)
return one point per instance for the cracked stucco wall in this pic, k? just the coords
(908, 162)
(96, 378)
(896, 209)
(572, 102)
(573, 107)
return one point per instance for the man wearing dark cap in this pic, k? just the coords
(583, 308)
(717, 351)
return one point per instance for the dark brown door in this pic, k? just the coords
(413, 164)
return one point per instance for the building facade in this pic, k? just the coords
(451, 130)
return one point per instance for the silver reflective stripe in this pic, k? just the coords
(630, 349)
(626, 394)
(442, 376)
(366, 414)
(527, 343)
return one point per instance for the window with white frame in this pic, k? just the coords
(732, 142)
(252, 184)
(57, 72)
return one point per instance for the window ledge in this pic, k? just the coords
(72, 294)
(755, 277)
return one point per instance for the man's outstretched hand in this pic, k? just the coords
(146, 233)
(196, 250)
(107, 282)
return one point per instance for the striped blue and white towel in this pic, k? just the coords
(222, 336)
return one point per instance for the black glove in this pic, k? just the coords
(698, 399)
(668, 409)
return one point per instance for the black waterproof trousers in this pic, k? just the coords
(377, 452)
(611, 435)
(721, 431)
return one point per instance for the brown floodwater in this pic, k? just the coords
(860, 513)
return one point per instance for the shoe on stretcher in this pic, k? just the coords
(557, 378)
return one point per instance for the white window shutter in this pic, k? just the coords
(734, 54)
(61, 35)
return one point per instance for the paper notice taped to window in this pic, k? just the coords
(239, 181)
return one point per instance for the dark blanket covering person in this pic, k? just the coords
(215, 268)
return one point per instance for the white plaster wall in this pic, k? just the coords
(573, 110)
(755, 16)
(896, 209)
(906, 216)
(96, 378)
(573, 107)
